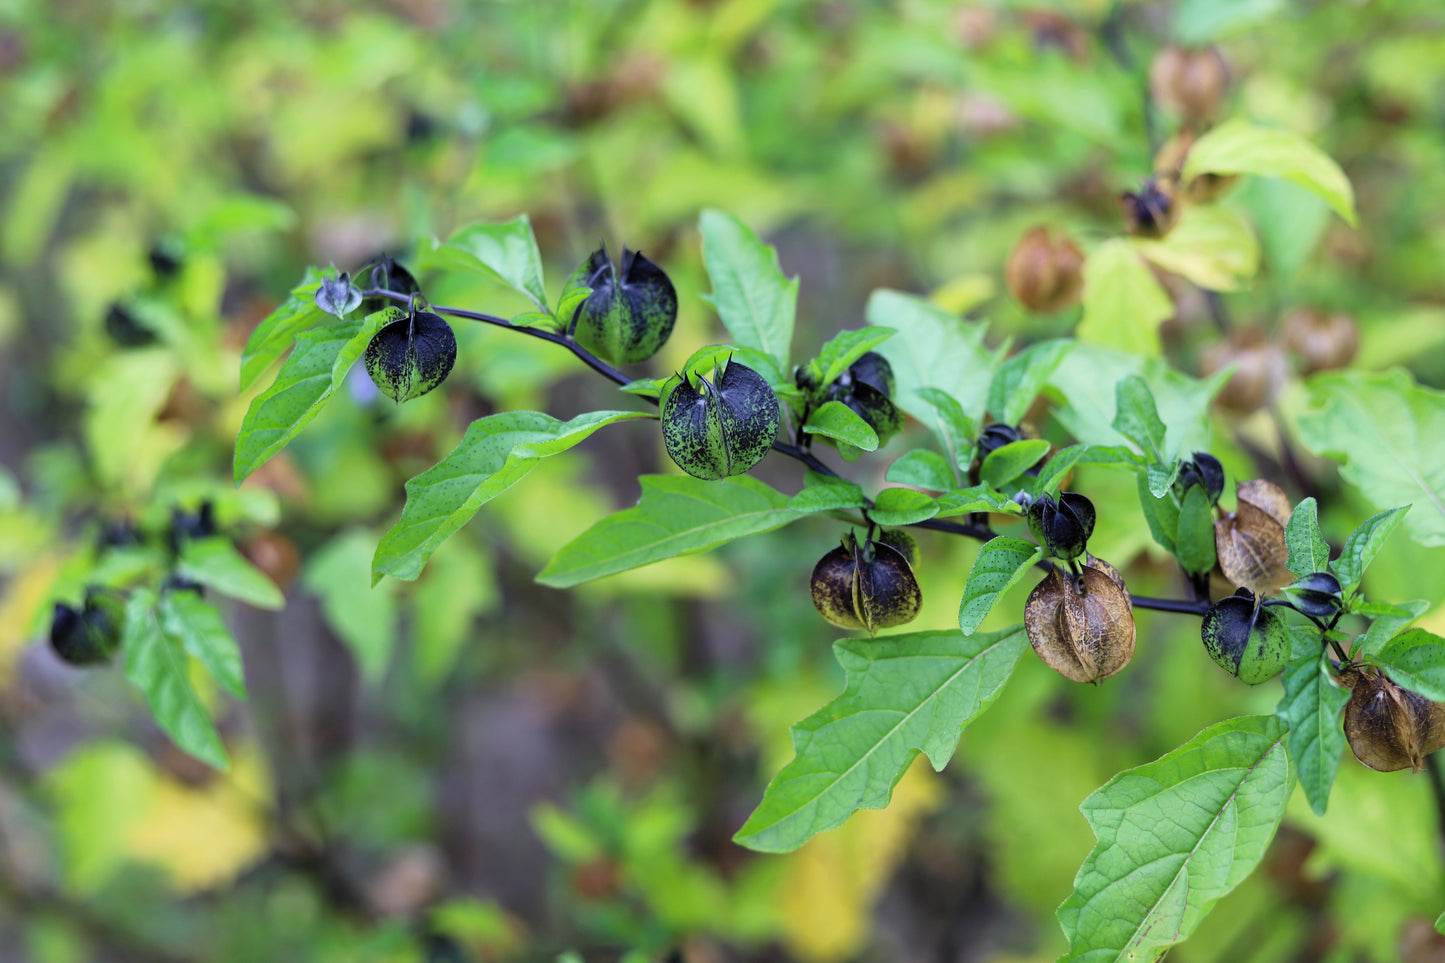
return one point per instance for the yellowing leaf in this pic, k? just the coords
(830, 884)
(1212, 245)
(1123, 303)
(19, 605)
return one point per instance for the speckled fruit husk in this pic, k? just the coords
(411, 356)
(722, 427)
(1247, 640)
(630, 313)
(870, 586)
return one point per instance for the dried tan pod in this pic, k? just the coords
(1322, 341)
(1260, 369)
(1044, 272)
(1250, 540)
(1190, 83)
(1388, 727)
(1083, 628)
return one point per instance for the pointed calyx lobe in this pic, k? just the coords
(631, 310)
(1082, 626)
(713, 429)
(871, 586)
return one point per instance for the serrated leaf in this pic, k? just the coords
(158, 666)
(933, 349)
(902, 506)
(1239, 147)
(1004, 464)
(1387, 621)
(1194, 539)
(1001, 562)
(199, 628)
(1415, 659)
(756, 302)
(1137, 418)
(905, 694)
(682, 515)
(302, 387)
(496, 452)
(1383, 429)
(846, 347)
(1123, 302)
(1363, 545)
(1019, 379)
(922, 468)
(837, 421)
(506, 252)
(1212, 246)
(1176, 835)
(215, 563)
(276, 332)
(1308, 550)
(1312, 704)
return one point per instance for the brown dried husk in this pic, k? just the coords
(1390, 728)
(1250, 542)
(1084, 636)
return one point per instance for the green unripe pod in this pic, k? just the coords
(411, 355)
(714, 429)
(1248, 640)
(630, 312)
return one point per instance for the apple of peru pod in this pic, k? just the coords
(716, 428)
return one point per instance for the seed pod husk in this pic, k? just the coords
(1189, 82)
(1321, 341)
(411, 355)
(1152, 210)
(1250, 541)
(1246, 639)
(85, 636)
(630, 312)
(871, 586)
(900, 540)
(1082, 627)
(1204, 470)
(1045, 272)
(721, 427)
(867, 388)
(1062, 525)
(1316, 595)
(1389, 727)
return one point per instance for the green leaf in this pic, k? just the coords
(1212, 245)
(215, 563)
(756, 303)
(158, 666)
(1311, 705)
(1019, 379)
(363, 618)
(922, 468)
(1051, 475)
(496, 452)
(933, 349)
(682, 515)
(1383, 428)
(949, 422)
(904, 694)
(1005, 464)
(1308, 550)
(1363, 545)
(1001, 562)
(505, 252)
(846, 347)
(1176, 835)
(1385, 625)
(1194, 539)
(1201, 22)
(1239, 147)
(902, 506)
(1136, 417)
(302, 387)
(1123, 302)
(1416, 660)
(1160, 477)
(1440, 923)
(837, 421)
(197, 625)
(1160, 514)
(276, 332)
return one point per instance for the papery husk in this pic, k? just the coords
(1250, 541)
(1390, 728)
(1083, 635)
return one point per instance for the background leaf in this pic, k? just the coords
(756, 302)
(1123, 302)
(933, 349)
(363, 618)
(496, 452)
(1382, 427)
(199, 628)
(1175, 835)
(1239, 147)
(1000, 563)
(1136, 417)
(1212, 246)
(1019, 379)
(904, 694)
(159, 668)
(682, 515)
(506, 252)
(1363, 545)
(215, 563)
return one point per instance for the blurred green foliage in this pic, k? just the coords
(476, 767)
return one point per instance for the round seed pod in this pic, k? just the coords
(1189, 82)
(867, 388)
(411, 355)
(631, 311)
(871, 586)
(1389, 727)
(1082, 627)
(1247, 640)
(1062, 525)
(85, 636)
(1321, 341)
(714, 429)
(1045, 272)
